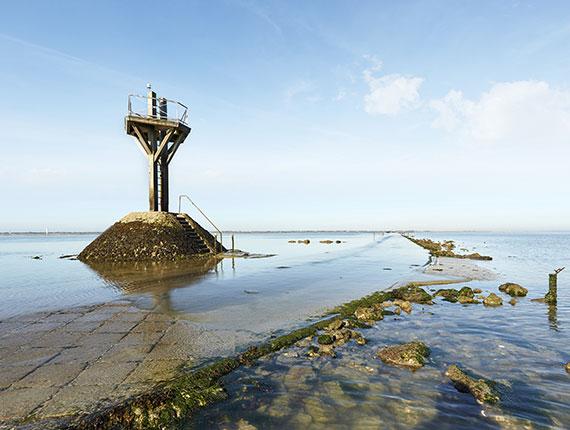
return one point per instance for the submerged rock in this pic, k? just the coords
(464, 300)
(513, 290)
(306, 241)
(412, 293)
(493, 300)
(477, 290)
(567, 367)
(482, 389)
(513, 301)
(412, 355)
(327, 241)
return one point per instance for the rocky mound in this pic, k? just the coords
(142, 236)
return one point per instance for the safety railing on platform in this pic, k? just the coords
(163, 108)
(204, 215)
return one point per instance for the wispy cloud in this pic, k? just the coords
(260, 12)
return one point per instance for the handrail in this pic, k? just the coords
(203, 214)
(181, 110)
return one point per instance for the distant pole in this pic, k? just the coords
(233, 243)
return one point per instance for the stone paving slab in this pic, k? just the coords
(70, 361)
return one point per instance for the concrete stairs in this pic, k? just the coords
(202, 241)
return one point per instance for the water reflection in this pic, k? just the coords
(156, 279)
(553, 317)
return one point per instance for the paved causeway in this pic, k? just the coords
(55, 364)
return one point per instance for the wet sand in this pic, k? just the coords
(463, 269)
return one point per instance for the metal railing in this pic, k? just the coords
(165, 108)
(203, 214)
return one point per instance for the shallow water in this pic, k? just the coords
(523, 347)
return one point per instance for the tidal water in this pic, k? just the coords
(523, 347)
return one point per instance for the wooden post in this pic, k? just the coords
(163, 114)
(233, 243)
(552, 296)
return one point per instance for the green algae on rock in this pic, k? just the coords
(513, 290)
(483, 390)
(493, 300)
(412, 293)
(445, 249)
(412, 355)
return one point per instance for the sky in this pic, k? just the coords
(332, 115)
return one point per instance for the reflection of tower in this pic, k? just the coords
(160, 131)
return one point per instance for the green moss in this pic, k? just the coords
(325, 339)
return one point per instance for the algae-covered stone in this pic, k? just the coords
(493, 300)
(325, 339)
(448, 294)
(513, 290)
(477, 290)
(466, 292)
(482, 389)
(412, 293)
(567, 367)
(467, 300)
(412, 355)
(368, 313)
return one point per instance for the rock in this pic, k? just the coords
(467, 300)
(303, 343)
(358, 338)
(306, 241)
(513, 301)
(477, 291)
(397, 311)
(338, 241)
(336, 325)
(448, 294)
(327, 350)
(37, 257)
(327, 241)
(292, 241)
(244, 425)
(325, 339)
(493, 300)
(412, 355)
(466, 292)
(567, 367)
(482, 389)
(368, 314)
(387, 304)
(403, 305)
(513, 290)
(412, 293)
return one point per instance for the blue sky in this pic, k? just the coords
(304, 115)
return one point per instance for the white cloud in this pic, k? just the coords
(515, 112)
(391, 94)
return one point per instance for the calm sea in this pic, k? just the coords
(523, 346)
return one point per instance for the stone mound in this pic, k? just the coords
(143, 236)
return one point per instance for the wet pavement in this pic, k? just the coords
(60, 363)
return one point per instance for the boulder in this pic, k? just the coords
(412, 293)
(412, 355)
(567, 367)
(513, 290)
(327, 241)
(493, 300)
(483, 390)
